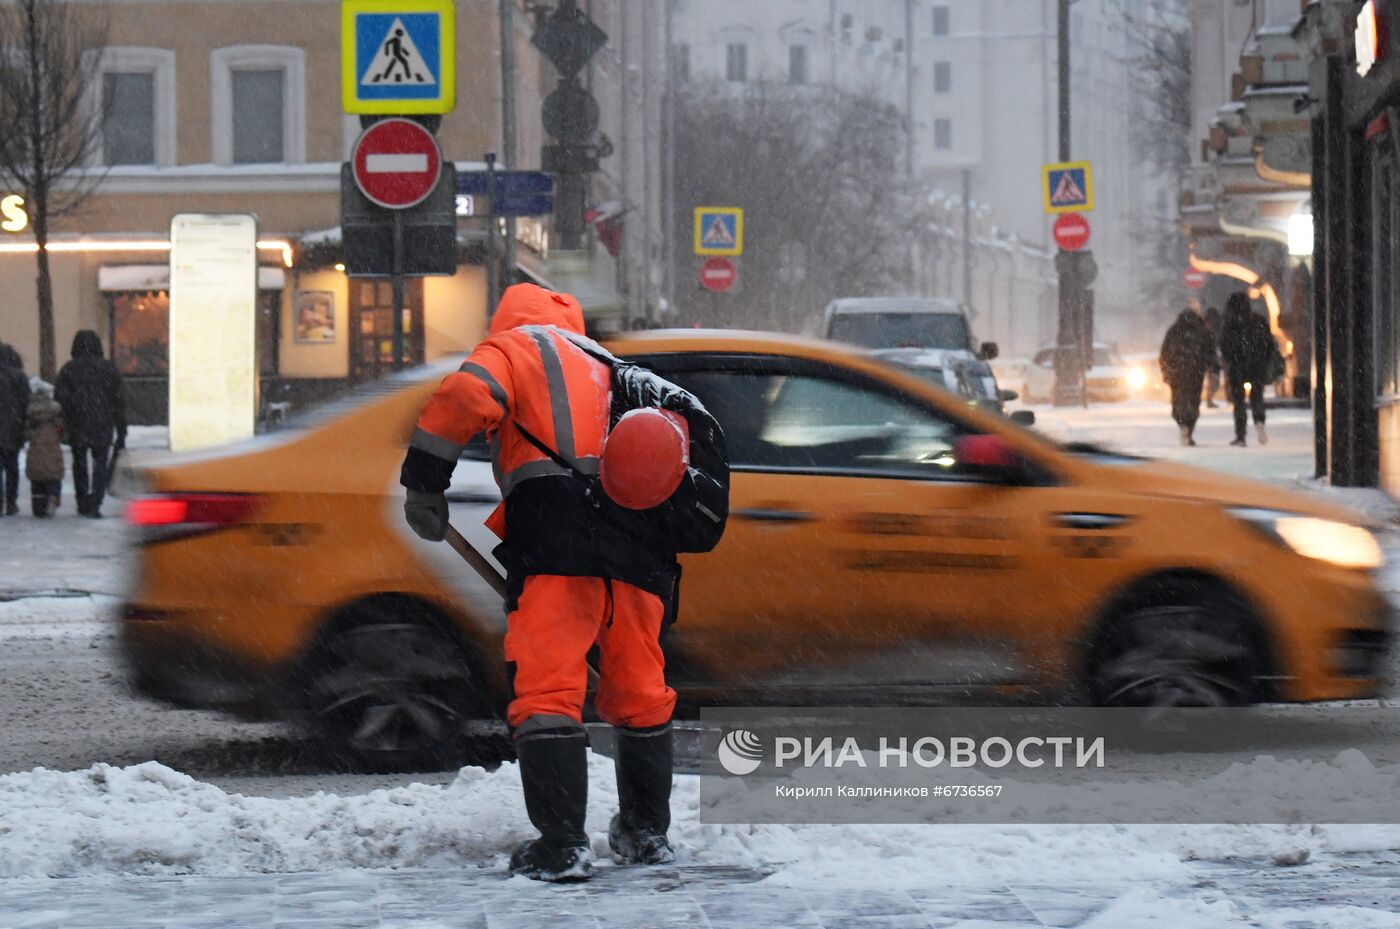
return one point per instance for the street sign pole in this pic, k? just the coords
(1069, 370)
(397, 280)
(492, 273)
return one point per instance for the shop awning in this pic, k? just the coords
(157, 277)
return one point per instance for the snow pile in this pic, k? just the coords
(148, 819)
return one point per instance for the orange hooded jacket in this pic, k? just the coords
(526, 371)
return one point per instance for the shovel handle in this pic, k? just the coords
(478, 561)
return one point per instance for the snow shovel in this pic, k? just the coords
(492, 577)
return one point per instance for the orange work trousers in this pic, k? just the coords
(548, 637)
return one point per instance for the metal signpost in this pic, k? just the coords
(398, 193)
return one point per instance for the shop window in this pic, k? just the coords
(269, 330)
(942, 133)
(372, 327)
(940, 20)
(736, 65)
(797, 64)
(942, 77)
(258, 105)
(134, 90)
(141, 333)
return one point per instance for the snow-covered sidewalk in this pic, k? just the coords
(145, 845)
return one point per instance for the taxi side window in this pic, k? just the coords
(802, 422)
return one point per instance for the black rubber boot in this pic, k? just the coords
(554, 776)
(637, 834)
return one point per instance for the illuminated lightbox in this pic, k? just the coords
(213, 328)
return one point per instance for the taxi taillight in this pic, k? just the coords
(162, 516)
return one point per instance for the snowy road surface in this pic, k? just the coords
(239, 825)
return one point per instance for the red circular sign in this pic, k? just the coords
(1194, 279)
(396, 163)
(718, 274)
(1071, 232)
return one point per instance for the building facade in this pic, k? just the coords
(977, 81)
(233, 106)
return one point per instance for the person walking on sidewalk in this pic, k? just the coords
(1213, 323)
(44, 463)
(1186, 355)
(536, 383)
(14, 409)
(90, 393)
(1247, 349)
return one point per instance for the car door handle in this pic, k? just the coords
(775, 515)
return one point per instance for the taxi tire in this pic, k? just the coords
(1179, 642)
(389, 687)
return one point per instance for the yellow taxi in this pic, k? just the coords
(888, 543)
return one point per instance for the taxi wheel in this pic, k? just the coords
(389, 693)
(1176, 655)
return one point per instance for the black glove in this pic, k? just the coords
(426, 514)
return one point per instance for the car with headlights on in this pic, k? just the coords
(1108, 379)
(888, 543)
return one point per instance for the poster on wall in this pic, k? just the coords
(315, 319)
(213, 328)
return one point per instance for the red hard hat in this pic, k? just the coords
(644, 458)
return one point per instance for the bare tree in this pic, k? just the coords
(51, 111)
(1159, 44)
(829, 210)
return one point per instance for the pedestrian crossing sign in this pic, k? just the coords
(397, 56)
(1069, 187)
(719, 230)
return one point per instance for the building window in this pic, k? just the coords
(129, 119)
(135, 93)
(940, 20)
(942, 77)
(736, 66)
(259, 104)
(943, 133)
(682, 63)
(259, 116)
(847, 24)
(141, 333)
(797, 64)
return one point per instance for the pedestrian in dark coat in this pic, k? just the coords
(43, 465)
(1186, 355)
(14, 410)
(1246, 349)
(1213, 323)
(90, 392)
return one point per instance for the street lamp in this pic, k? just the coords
(1300, 232)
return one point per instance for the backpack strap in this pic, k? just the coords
(560, 460)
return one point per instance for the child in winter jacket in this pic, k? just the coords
(44, 463)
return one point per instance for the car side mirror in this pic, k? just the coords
(1023, 418)
(989, 456)
(989, 351)
(1006, 396)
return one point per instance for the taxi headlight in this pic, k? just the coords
(1337, 543)
(1137, 378)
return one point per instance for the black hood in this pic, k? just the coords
(87, 344)
(9, 358)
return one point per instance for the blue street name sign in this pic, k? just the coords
(518, 193)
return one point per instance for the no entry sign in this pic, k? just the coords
(396, 163)
(1194, 279)
(1071, 232)
(718, 274)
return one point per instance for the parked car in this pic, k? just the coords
(886, 539)
(1109, 378)
(968, 377)
(904, 322)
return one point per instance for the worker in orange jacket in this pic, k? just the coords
(570, 587)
